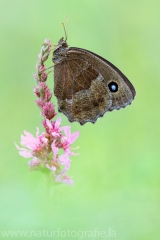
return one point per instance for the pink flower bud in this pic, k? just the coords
(48, 110)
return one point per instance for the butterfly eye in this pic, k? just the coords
(113, 86)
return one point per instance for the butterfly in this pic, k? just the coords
(86, 85)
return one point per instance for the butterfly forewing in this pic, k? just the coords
(125, 92)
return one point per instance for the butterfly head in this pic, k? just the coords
(60, 51)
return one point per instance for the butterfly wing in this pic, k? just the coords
(126, 91)
(83, 86)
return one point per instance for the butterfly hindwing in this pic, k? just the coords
(87, 85)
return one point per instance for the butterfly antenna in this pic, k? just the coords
(67, 26)
(64, 31)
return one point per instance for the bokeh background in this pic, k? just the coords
(116, 174)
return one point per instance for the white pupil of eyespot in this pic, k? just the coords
(113, 87)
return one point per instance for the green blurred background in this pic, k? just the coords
(117, 180)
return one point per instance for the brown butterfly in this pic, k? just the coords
(87, 85)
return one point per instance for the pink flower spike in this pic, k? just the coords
(74, 136)
(39, 103)
(52, 128)
(45, 92)
(41, 68)
(28, 141)
(57, 123)
(35, 146)
(23, 152)
(39, 57)
(34, 162)
(52, 168)
(65, 160)
(64, 179)
(55, 150)
(47, 125)
(68, 139)
(47, 41)
(48, 110)
(37, 132)
(44, 76)
(36, 91)
(50, 151)
(36, 77)
(56, 127)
